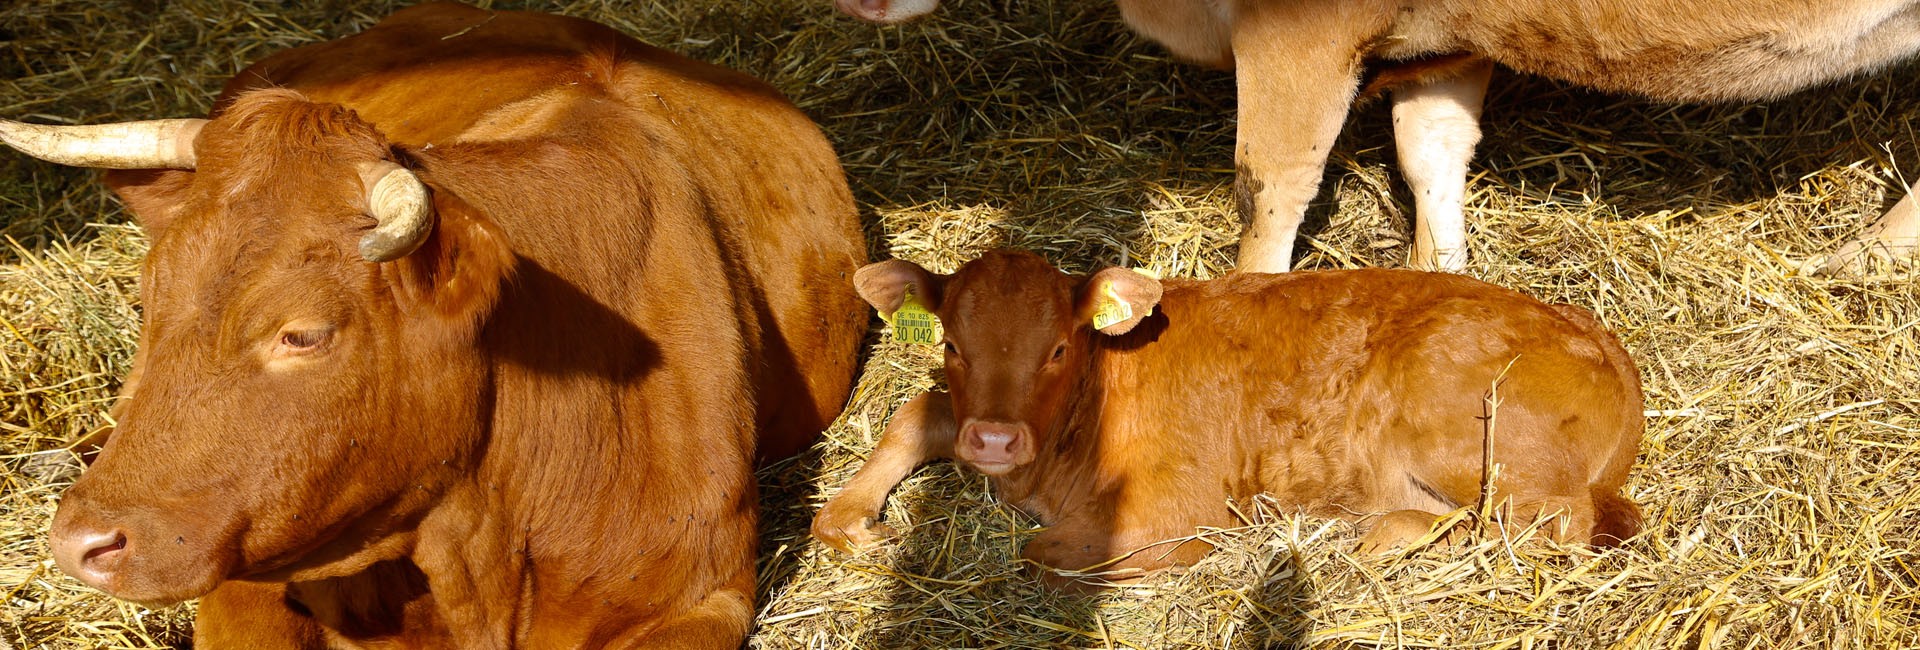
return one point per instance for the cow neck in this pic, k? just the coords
(584, 407)
(1064, 470)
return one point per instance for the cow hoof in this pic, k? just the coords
(850, 532)
(1447, 260)
(1862, 258)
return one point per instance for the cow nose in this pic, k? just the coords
(995, 447)
(93, 556)
(996, 442)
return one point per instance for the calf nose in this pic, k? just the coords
(995, 447)
(93, 556)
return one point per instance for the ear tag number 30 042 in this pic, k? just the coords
(1111, 309)
(912, 323)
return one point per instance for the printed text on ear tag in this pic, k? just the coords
(1111, 309)
(912, 323)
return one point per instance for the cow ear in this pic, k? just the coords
(1116, 299)
(457, 274)
(885, 285)
(154, 196)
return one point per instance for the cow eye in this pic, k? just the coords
(951, 349)
(303, 341)
(1059, 352)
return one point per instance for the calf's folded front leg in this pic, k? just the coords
(921, 430)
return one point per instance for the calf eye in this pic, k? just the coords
(951, 349)
(1059, 351)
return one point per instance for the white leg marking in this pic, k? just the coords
(1436, 126)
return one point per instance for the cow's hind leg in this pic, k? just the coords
(1298, 67)
(1895, 238)
(1401, 528)
(1436, 125)
(1562, 519)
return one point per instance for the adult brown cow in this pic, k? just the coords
(1126, 412)
(465, 331)
(1299, 63)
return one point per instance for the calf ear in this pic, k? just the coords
(456, 275)
(154, 196)
(1116, 299)
(885, 285)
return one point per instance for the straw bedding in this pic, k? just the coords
(1780, 472)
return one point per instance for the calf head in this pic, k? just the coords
(308, 375)
(1019, 338)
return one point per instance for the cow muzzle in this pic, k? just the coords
(139, 559)
(93, 556)
(995, 448)
(887, 12)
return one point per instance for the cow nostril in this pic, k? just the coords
(93, 557)
(114, 543)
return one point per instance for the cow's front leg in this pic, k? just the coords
(922, 429)
(1436, 124)
(1087, 552)
(1297, 66)
(1895, 238)
(253, 615)
(475, 566)
(718, 622)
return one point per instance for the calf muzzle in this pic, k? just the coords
(995, 448)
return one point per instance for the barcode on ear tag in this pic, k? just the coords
(912, 323)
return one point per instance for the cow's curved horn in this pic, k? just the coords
(149, 144)
(398, 200)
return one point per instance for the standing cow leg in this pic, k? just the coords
(921, 430)
(1297, 70)
(1436, 124)
(1894, 238)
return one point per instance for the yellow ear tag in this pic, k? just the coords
(1110, 309)
(912, 323)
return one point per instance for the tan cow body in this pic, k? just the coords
(536, 425)
(1341, 393)
(1299, 64)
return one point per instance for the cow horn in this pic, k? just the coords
(149, 144)
(398, 201)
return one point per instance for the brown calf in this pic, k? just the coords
(1125, 412)
(1299, 63)
(465, 331)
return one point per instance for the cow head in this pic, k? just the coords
(308, 377)
(1018, 335)
(887, 11)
